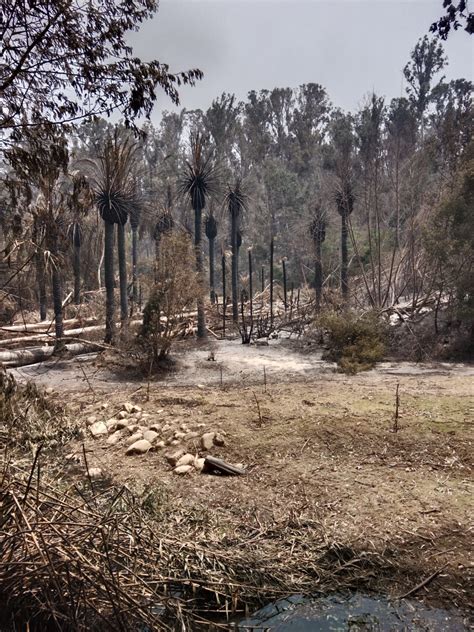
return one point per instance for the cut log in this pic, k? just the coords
(211, 464)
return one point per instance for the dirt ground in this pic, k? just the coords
(325, 471)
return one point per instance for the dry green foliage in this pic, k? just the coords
(174, 294)
(28, 417)
(355, 342)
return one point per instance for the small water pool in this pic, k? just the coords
(338, 613)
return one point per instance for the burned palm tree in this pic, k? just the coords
(236, 201)
(115, 195)
(317, 230)
(80, 201)
(42, 159)
(197, 184)
(345, 205)
(211, 234)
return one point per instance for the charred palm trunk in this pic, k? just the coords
(318, 233)
(235, 265)
(122, 261)
(224, 295)
(345, 205)
(212, 271)
(318, 273)
(109, 283)
(135, 265)
(344, 257)
(251, 286)
(272, 254)
(201, 325)
(211, 234)
(77, 274)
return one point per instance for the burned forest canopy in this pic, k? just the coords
(370, 208)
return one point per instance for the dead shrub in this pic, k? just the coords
(28, 417)
(165, 315)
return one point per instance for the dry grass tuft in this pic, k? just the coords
(28, 417)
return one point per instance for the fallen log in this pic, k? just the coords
(212, 464)
(12, 359)
(46, 325)
(68, 332)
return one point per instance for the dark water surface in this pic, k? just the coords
(352, 613)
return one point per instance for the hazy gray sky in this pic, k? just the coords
(351, 47)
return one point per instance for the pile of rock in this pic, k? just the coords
(184, 462)
(128, 427)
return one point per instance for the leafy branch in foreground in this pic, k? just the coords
(63, 60)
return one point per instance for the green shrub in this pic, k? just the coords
(355, 342)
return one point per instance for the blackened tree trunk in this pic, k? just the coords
(122, 261)
(211, 234)
(135, 265)
(345, 206)
(318, 272)
(344, 257)
(109, 283)
(157, 256)
(41, 281)
(285, 291)
(43, 296)
(318, 233)
(272, 253)
(235, 266)
(58, 305)
(224, 295)
(40, 270)
(77, 274)
(251, 286)
(56, 285)
(212, 271)
(201, 325)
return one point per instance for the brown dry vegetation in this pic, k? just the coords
(333, 498)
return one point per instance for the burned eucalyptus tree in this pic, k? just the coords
(198, 183)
